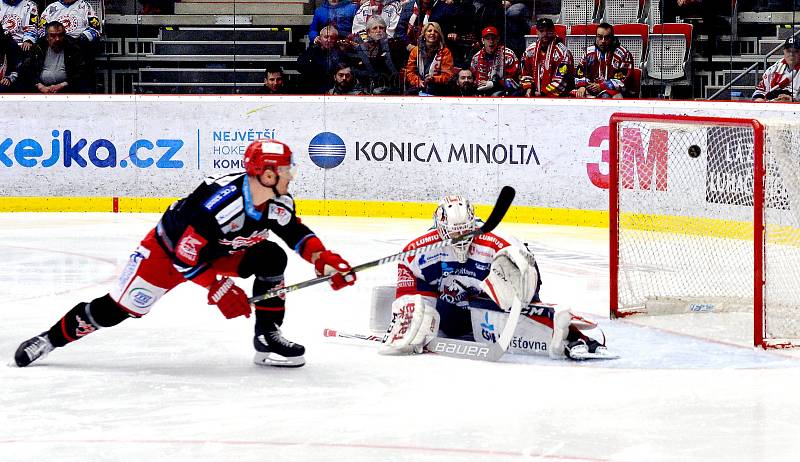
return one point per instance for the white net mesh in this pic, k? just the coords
(686, 221)
(782, 233)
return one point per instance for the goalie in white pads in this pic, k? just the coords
(465, 290)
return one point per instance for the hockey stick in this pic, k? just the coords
(336, 333)
(498, 212)
(462, 349)
(511, 325)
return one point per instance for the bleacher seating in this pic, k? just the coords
(579, 11)
(584, 29)
(634, 83)
(653, 13)
(579, 38)
(623, 11)
(208, 60)
(285, 7)
(634, 38)
(669, 51)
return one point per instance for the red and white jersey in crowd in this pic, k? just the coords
(21, 21)
(438, 274)
(503, 64)
(609, 69)
(78, 19)
(389, 10)
(779, 77)
(552, 68)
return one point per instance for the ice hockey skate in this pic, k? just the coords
(273, 349)
(32, 349)
(582, 349)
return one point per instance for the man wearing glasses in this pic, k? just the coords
(604, 69)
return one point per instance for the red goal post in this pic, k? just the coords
(703, 218)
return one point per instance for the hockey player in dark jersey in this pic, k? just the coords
(219, 231)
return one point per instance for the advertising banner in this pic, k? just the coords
(554, 152)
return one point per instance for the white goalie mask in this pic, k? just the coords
(455, 217)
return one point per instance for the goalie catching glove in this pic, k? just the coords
(415, 322)
(512, 275)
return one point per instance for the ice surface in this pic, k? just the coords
(179, 385)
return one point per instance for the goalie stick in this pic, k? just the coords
(501, 206)
(462, 349)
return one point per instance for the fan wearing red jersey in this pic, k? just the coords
(217, 232)
(466, 289)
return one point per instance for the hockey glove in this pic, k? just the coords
(327, 263)
(488, 85)
(229, 298)
(512, 274)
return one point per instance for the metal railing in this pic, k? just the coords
(753, 68)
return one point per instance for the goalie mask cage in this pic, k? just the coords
(703, 217)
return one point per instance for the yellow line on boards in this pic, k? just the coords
(377, 209)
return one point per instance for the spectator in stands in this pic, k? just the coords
(374, 66)
(518, 24)
(605, 68)
(10, 60)
(344, 81)
(317, 63)
(389, 10)
(338, 13)
(78, 17)
(20, 19)
(495, 67)
(55, 64)
(781, 81)
(417, 13)
(274, 82)
(548, 68)
(463, 84)
(430, 64)
(81, 23)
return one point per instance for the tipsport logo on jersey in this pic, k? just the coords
(327, 150)
(73, 151)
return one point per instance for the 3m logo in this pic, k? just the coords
(635, 163)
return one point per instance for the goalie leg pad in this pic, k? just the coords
(561, 322)
(415, 322)
(531, 336)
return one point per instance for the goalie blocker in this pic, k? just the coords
(465, 291)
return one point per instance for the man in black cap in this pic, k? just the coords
(548, 68)
(780, 82)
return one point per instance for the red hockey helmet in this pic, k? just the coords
(266, 154)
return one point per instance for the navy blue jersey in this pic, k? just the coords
(219, 218)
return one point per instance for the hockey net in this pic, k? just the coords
(705, 218)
